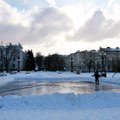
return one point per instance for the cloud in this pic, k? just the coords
(48, 24)
(44, 24)
(12, 33)
(34, 26)
(52, 2)
(98, 28)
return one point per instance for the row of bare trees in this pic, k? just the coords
(53, 62)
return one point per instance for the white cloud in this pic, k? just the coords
(78, 13)
(46, 23)
(98, 28)
(37, 26)
(52, 3)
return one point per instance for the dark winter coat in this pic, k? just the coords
(96, 74)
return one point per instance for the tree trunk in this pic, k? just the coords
(7, 67)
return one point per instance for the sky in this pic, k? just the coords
(60, 26)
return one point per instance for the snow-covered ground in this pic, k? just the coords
(94, 106)
(111, 78)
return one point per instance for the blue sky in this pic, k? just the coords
(60, 26)
(26, 4)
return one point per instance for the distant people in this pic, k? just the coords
(96, 74)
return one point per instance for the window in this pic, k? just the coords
(13, 65)
(14, 59)
(18, 57)
(1, 65)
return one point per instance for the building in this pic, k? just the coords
(105, 59)
(111, 58)
(12, 57)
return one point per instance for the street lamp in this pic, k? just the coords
(18, 61)
(103, 63)
(71, 63)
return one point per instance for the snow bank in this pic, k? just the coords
(61, 101)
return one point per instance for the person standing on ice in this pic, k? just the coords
(96, 74)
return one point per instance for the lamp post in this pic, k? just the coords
(18, 61)
(71, 63)
(103, 63)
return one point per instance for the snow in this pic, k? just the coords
(57, 106)
(51, 76)
(5, 79)
(61, 101)
(96, 106)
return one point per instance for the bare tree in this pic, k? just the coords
(7, 54)
(89, 60)
(1, 58)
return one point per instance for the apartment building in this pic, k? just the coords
(104, 59)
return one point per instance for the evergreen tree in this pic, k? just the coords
(30, 61)
(39, 60)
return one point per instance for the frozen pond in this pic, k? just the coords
(47, 87)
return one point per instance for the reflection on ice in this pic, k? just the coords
(49, 87)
